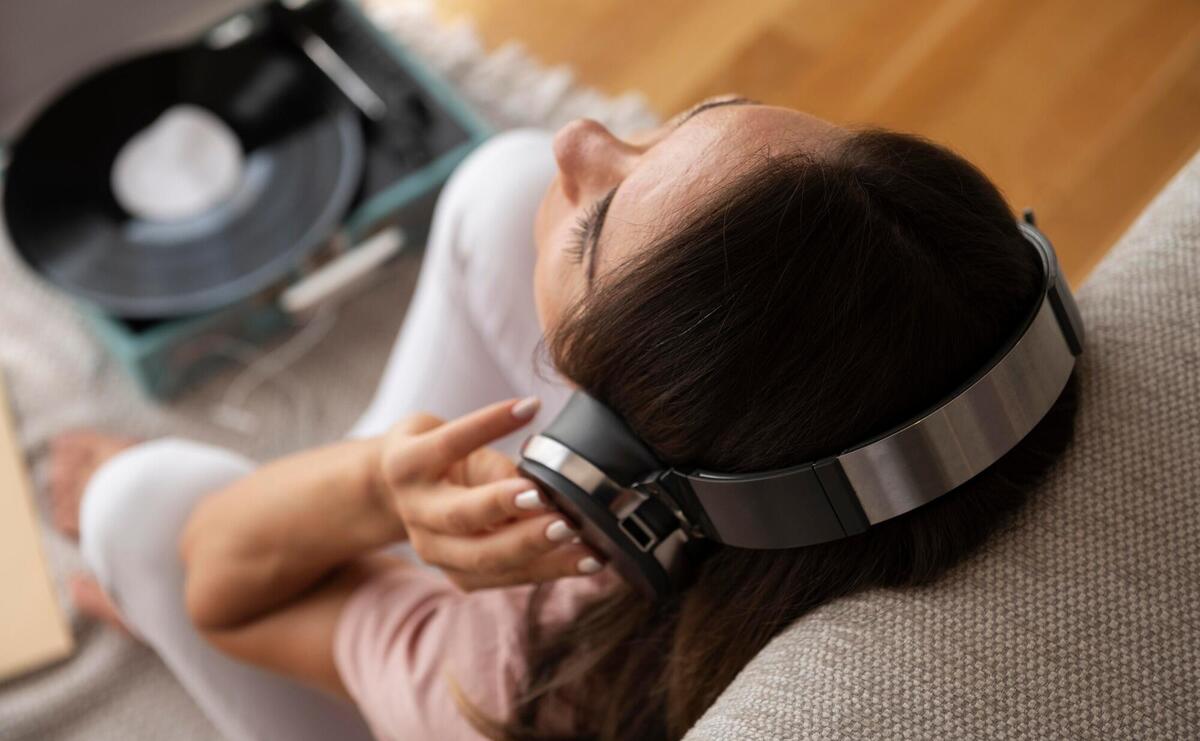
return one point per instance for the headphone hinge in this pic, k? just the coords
(671, 489)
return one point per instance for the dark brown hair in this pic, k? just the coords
(817, 301)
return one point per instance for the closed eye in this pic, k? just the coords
(586, 233)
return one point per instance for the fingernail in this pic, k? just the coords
(529, 500)
(559, 531)
(525, 409)
(589, 565)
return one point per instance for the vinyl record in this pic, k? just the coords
(300, 165)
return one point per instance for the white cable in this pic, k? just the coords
(273, 366)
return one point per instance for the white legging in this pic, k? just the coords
(468, 339)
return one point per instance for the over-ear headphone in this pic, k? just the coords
(650, 520)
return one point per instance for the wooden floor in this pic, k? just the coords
(1081, 108)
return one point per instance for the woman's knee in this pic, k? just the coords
(494, 190)
(136, 506)
(477, 174)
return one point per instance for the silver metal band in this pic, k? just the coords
(580, 471)
(909, 467)
(957, 441)
(906, 468)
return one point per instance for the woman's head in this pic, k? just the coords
(749, 268)
(610, 198)
(783, 304)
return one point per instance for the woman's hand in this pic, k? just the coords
(465, 508)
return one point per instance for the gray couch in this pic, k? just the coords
(1083, 620)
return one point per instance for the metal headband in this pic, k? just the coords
(894, 473)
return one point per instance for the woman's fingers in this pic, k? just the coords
(424, 447)
(458, 438)
(415, 424)
(485, 465)
(496, 534)
(463, 511)
(511, 548)
(397, 462)
(567, 560)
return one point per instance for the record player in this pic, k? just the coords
(327, 144)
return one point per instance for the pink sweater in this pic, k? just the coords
(402, 633)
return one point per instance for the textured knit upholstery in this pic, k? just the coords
(1083, 620)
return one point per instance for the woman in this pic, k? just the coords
(748, 286)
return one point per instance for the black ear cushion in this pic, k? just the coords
(599, 529)
(596, 432)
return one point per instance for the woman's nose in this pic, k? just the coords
(591, 160)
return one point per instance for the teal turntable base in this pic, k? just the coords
(408, 156)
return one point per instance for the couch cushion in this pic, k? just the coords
(1082, 619)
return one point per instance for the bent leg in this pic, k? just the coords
(471, 331)
(132, 514)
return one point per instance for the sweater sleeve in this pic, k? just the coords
(407, 633)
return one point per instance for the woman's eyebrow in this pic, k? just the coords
(708, 105)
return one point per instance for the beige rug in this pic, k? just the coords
(60, 378)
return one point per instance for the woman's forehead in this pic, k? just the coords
(680, 172)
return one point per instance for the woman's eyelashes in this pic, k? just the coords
(587, 228)
(580, 234)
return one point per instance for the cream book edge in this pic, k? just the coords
(33, 627)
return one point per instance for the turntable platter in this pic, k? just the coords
(300, 166)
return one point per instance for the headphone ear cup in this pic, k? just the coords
(601, 530)
(589, 427)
